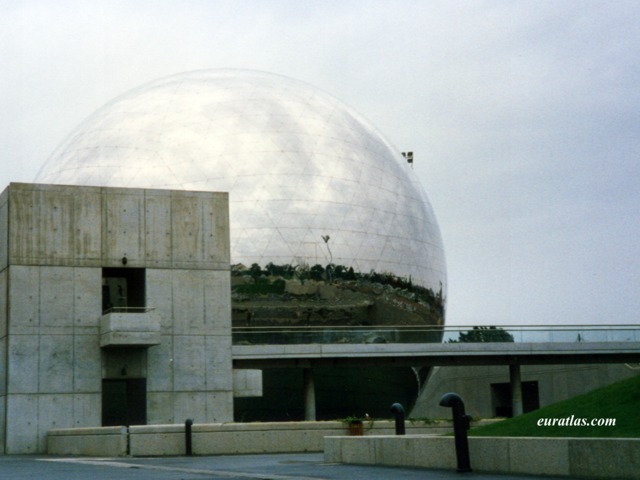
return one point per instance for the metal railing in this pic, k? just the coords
(128, 310)
(435, 334)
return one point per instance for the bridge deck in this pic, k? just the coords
(433, 354)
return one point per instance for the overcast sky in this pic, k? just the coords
(524, 118)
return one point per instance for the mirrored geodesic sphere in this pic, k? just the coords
(310, 181)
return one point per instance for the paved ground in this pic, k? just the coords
(237, 467)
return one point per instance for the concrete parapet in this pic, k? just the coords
(245, 438)
(156, 440)
(219, 438)
(247, 383)
(141, 329)
(611, 458)
(575, 457)
(102, 441)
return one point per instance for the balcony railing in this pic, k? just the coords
(128, 310)
(435, 334)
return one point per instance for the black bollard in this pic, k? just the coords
(398, 409)
(460, 427)
(187, 436)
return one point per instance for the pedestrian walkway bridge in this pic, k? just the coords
(272, 347)
(312, 347)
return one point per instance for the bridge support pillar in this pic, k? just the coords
(516, 389)
(309, 395)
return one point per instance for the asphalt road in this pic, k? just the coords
(230, 467)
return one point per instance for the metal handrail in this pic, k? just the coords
(128, 310)
(450, 327)
(435, 334)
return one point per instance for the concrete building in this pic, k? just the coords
(114, 309)
(486, 389)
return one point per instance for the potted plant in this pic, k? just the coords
(356, 424)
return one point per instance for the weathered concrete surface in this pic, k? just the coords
(476, 385)
(226, 438)
(102, 442)
(574, 457)
(98, 226)
(130, 329)
(247, 383)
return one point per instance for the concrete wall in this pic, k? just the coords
(4, 223)
(4, 229)
(54, 361)
(247, 383)
(574, 457)
(102, 442)
(473, 384)
(96, 226)
(219, 439)
(56, 241)
(190, 372)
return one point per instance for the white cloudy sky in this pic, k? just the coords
(524, 117)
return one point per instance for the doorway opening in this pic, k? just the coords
(123, 289)
(124, 402)
(501, 398)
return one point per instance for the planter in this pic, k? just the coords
(356, 428)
